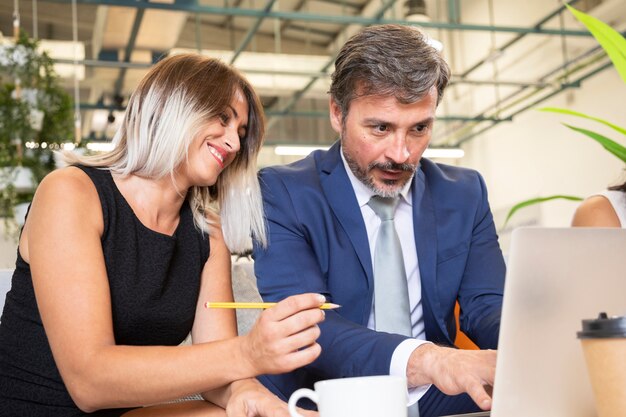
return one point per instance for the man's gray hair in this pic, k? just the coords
(388, 60)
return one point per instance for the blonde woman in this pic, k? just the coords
(120, 252)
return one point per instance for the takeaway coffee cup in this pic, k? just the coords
(604, 345)
(369, 396)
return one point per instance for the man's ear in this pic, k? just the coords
(336, 118)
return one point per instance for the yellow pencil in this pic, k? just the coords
(212, 304)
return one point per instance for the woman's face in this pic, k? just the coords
(218, 143)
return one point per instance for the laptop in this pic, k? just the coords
(556, 277)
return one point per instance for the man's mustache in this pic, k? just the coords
(392, 166)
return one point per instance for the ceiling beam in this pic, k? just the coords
(311, 114)
(251, 32)
(343, 19)
(132, 40)
(557, 88)
(575, 83)
(516, 39)
(314, 74)
(378, 14)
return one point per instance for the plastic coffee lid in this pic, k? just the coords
(603, 327)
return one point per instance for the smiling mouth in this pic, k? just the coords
(217, 154)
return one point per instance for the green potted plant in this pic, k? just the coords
(35, 119)
(615, 46)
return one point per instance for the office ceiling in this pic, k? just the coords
(506, 56)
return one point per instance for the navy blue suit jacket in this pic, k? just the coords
(318, 243)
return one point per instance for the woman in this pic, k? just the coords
(607, 209)
(120, 252)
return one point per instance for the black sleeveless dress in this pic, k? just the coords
(154, 280)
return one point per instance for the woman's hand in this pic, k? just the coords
(283, 338)
(251, 399)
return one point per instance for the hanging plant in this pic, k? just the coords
(35, 119)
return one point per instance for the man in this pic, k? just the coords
(324, 233)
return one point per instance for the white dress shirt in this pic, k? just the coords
(403, 221)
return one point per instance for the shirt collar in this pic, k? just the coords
(364, 194)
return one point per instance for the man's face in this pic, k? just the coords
(383, 139)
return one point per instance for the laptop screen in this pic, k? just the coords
(556, 277)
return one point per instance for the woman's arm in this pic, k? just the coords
(216, 324)
(71, 286)
(596, 211)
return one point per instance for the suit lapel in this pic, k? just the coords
(425, 229)
(343, 203)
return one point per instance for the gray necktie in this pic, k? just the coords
(391, 295)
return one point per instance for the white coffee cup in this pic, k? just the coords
(368, 396)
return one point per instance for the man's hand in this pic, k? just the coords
(454, 371)
(251, 399)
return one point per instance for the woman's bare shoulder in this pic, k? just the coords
(66, 177)
(65, 196)
(596, 211)
(66, 191)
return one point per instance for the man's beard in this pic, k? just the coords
(363, 176)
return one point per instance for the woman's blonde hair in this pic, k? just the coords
(166, 112)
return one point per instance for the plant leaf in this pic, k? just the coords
(584, 116)
(608, 144)
(538, 200)
(611, 40)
